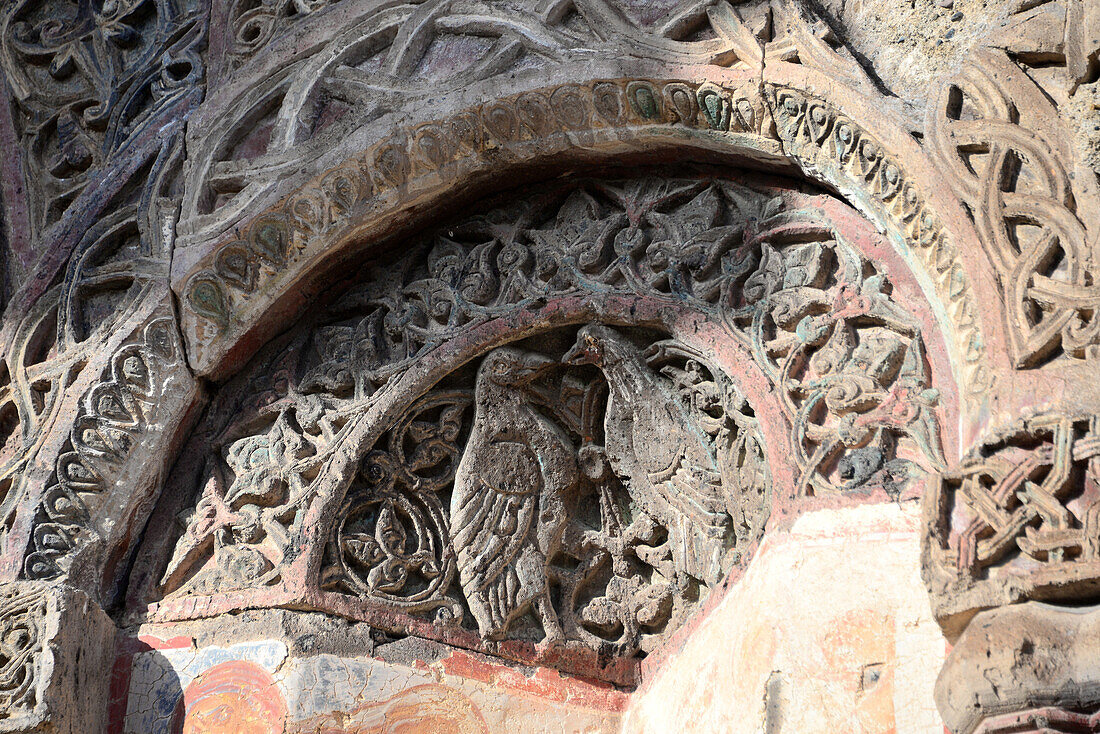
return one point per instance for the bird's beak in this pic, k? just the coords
(578, 355)
(532, 366)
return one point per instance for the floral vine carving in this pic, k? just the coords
(588, 548)
(821, 137)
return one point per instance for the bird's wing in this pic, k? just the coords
(495, 511)
(694, 490)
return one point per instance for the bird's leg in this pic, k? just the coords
(551, 627)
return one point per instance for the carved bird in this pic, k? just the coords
(661, 453)
(512, 494)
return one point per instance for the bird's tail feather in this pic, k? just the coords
(696, 552)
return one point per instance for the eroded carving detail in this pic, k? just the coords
(88, 78)
(385, 59)
(22, 612)
(431, 151)
(252, 24)
(113, 416)
(1045, 720)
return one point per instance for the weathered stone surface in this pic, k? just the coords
(497, 339)
(828, 630)
(1031, 667)
(55, 646)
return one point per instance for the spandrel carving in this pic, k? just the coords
(996, 131)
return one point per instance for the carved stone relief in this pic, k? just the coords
(1011, 161)
(821, 137)
(553, 428)
(1017, 519)
(100, 94)
(114, 417)
(382, 61)
(580, 488)
(87, 80)
(480, 506)
(54, 646)
(23, 611)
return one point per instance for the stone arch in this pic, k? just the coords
(207, 247)
(768, 289)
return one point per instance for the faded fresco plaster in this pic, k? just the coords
(829, 631)
(255, 688)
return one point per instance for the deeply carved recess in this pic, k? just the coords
(113, 417)
(22, 615)
(363, 485)
(1018, 519)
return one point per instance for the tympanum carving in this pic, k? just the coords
(550, 483)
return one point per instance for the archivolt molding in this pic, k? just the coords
(227, 297)
(428, 158)
(829, 143)
(80, 490)
(100, 95)
(394, 58)
(117, 417)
